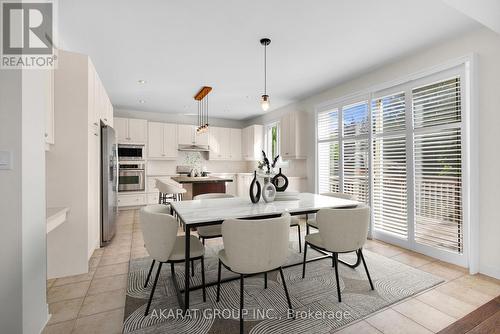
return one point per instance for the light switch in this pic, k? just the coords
(5, 160)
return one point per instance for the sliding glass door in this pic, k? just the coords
(402, 152)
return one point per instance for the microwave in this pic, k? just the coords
(130, 152)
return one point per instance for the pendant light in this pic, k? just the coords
(264, 100)
(202, 98)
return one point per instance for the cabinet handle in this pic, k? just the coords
(96, 124)
(46, 134)
(95, 134)
(106, 119)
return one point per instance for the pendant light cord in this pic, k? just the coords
(265, 69)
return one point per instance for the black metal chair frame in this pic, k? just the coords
(172, 270)
(242, 276)
(335, 263)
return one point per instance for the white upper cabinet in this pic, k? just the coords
(252, 142)
(235, 144)
(162, 141)
(186, 134)
(131, 130)
(100, 107)
(189, 136)
(225, 144)
(291, 136)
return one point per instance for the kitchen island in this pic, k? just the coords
(202, 184)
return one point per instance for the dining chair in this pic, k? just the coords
(254, 247)
(340, 231)
(211, 231)
(159, 229)
(311, 222)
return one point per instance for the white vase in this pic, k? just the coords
(268, 190)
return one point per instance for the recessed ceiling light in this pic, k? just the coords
(141, 82)
(142, 101)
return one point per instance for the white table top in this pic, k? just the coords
(216, 210)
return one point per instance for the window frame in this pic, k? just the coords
(469, 131)
(267, 128)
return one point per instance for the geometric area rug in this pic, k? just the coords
(266, 311)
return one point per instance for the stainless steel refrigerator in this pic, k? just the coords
(109, 183)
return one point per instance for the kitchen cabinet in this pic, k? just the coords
(243, 184)
(235, 145)
(131, 130)
(252, 142)
(187, 135)
(100, 107)
(125, 200)
(219, 143)
(225, 144)
(162, 141)
(291, 136)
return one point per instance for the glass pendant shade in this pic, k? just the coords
(264, 102)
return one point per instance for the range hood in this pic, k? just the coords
(193, 148)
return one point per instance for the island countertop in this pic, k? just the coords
(200, 179)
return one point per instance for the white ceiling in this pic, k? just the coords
(179, 46)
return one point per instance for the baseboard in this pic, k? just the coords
(490, 271)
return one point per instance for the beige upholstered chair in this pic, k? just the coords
(214, 231)
(253, 247)
(162, 243)
(170, 189)
(340, 231)
(211, 231)
(311, 222)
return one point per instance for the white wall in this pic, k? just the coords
(486, 45)
(22, 203)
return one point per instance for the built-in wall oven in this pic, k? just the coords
(130, 152)
(131, 176)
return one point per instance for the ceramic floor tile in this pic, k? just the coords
(64, 310)
(50, 283)
(113, 259)
(60, 328)
(111, 270)
(105, 284)
(94, 262)
(361, 327)
(446, 271)
(481, 283)
(446, 304)
(424, 314)
(102, 302)
(392, 322)
(464, 293)
(98, 252)
(68, 291)
(74, 279)
(102, 323)
(413, 259)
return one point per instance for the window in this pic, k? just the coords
(349, 145)
(272, 140)
(402, 153)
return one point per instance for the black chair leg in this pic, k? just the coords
(333, 261)
(360, 254)
(241, 302)
(153, 289)
(218, 282)
(203, 241)
(265, 280)
(149, 273)
(304, 262)
(300, 240)
(203, 279)
(286, 290)
(336, 259)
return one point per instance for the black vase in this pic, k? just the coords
(255, 183)
(276, 181)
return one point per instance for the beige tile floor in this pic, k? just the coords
(94, 302)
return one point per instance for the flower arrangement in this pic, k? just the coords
(267, 164)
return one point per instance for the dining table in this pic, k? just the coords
(203, 212)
